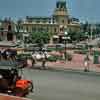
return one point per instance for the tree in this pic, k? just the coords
(41, 37)
(77, 36)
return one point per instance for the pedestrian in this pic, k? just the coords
(44, 59)
(29, 62)
(86, 63)
(33, 59)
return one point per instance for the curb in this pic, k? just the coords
(68, 70)
(75, 71)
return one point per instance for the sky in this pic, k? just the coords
(82, 9)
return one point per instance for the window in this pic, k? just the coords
(53, 20)
(61, 29)
(27, 28)
(37, 21)
(44, 21)
(21, 27)
(49, 21)
(63, 21)
(33, 29)
(55, 30)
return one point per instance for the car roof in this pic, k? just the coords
(7, 65)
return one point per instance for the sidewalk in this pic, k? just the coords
(77, 63)
(72, 66)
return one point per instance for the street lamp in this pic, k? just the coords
(65, 38)
(86, 59)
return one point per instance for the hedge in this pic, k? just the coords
(55, 58)
(81, 51)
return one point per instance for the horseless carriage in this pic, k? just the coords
(11, 81)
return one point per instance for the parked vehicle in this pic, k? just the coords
(11, 82)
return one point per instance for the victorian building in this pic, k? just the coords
(59, 22)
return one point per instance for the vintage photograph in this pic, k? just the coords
(49, 50)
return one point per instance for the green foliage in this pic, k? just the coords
(77, 36)
(41, 37)
(55, 58)
(52, 58)
(54, 49)
(80, 51)
(96, 52)
(23, 56)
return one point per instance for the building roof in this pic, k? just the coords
(37, 17)
(61, 1)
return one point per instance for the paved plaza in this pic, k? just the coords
(77, 63)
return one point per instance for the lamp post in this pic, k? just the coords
(65, 42)
(24, 34)
(86, 59)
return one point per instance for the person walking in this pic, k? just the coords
(44, 59)
(29, 62)
(86, 63)
(33, 59)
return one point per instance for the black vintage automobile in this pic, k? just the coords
(12, 83)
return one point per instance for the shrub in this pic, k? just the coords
(22, 56)
(54, 49)
(52, 58)
(80, 51)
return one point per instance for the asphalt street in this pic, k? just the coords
(63, 85)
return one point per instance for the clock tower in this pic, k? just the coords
(61, 13)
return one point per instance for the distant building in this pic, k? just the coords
(7, 30)
(58, 23)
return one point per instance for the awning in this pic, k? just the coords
(25, 35)
(7, 44)
(55, 36)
